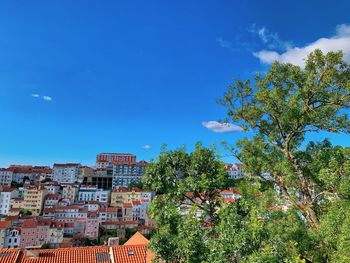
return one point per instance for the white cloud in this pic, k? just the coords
(297, 55)
(48, 98)
(35, 95)
(270, 39)
(146, 147)
(221, 127)
(224, 43)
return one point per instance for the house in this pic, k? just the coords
(6, 194)
(134, 251)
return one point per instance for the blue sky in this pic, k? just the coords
(82, 77)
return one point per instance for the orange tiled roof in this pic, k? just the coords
(29, 224)
(137, 239)
(130, 254)
(135, 253)
(5, 224)
(9, 255)
(70, 255)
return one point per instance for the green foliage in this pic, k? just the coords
(135, 184)
(25, 212)
(45, 246)
(311, 178)
(86, 242)
(281, 109)
(106, 235)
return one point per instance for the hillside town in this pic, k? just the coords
(71, 205)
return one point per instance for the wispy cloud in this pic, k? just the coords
(270, 39)
(146, 147)
(297, 55)
(219, 127)
(224, 43)
(48, 98)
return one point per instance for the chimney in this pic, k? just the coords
(113, 241)
(32, 252)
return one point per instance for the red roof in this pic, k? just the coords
(7, 189)
(29, 224)
(130, 254)
(57, 196)
(66, 164)
(5, 224)
(70, 255)
(9, 255)
(137, 239)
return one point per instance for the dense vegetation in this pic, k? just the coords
(282, 109)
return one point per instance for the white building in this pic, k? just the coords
(6, 195)
(92, 193)
(69, 214)
(12, 238)
(235, 171)
(6, 175)
(55, 234)
(52, 188)
(230, 194)
(66, 173)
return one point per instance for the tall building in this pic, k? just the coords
(6, 175)
(6, 194)
(124, 174)
(66, 173)
(34, 198)
(102, 177)
(104, 160)
(70, 192)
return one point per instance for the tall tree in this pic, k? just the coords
(282, 108)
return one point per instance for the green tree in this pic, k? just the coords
(194, 225)
(25, 212)
(135, 184)
(313, 178)
(282, 109)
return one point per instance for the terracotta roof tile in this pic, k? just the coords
(137, 239)
(70, 255)
(130, 254)
(5, 224)
(29, 224)
(9, 255)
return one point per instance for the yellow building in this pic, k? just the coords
(17, 203)
(34, 198)
(70, 192)
(123, 195)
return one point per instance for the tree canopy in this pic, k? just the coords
(310, 179)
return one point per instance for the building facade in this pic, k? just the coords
(6, 195)
(68, 173)
(124, 174)
(6, 175)
(104, 160)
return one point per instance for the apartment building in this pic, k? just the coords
(6, 194)
(124, 174)
(104, 160)
(34, 197)
(70, 192)
(92, 193)
(68, 173)
(6, 175)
